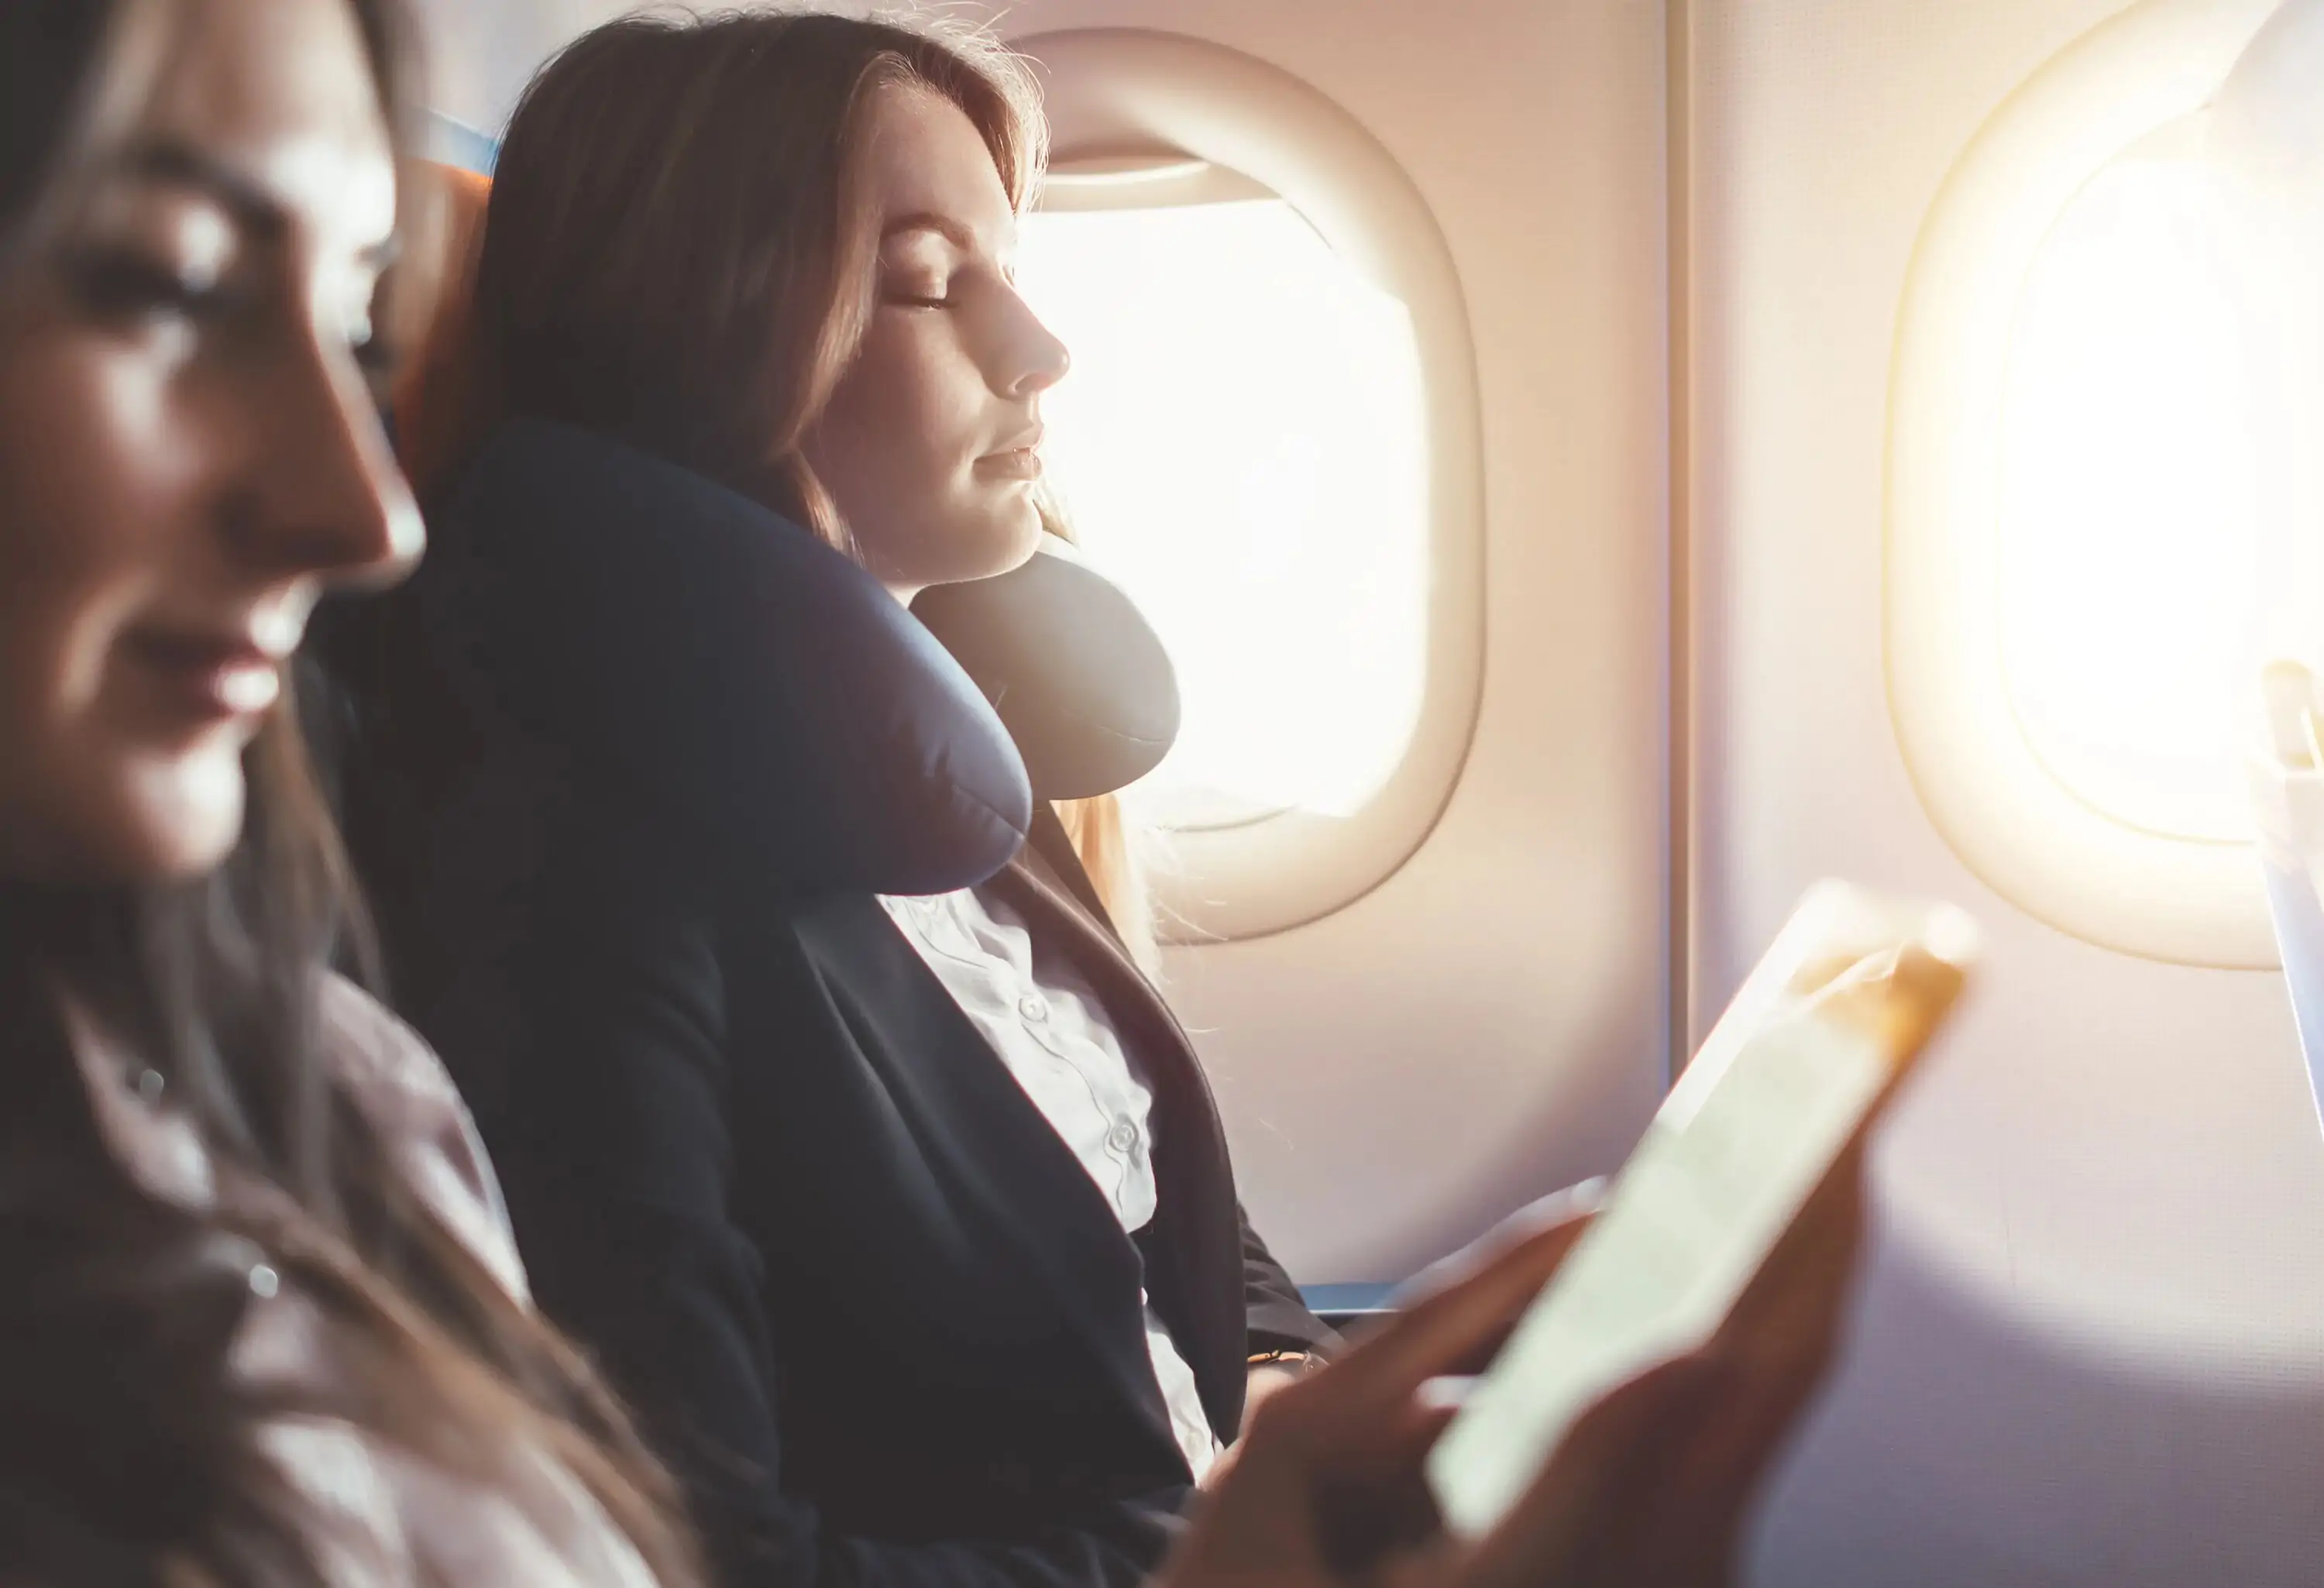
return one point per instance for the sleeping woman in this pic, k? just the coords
(898, 1202)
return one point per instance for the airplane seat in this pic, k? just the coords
(436, 392)
(1347, 1308)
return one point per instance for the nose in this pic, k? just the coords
(325, 498)
(1032, 359)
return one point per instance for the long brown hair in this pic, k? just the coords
(678, 251)
(1111, 846)
(130, 1449)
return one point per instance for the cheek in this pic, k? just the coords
(89, 496)
(897, 448)
(72, 565)
(893, 423)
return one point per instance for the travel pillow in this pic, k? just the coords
(719, 666)
(1079, 679)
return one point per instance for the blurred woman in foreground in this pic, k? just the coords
(263, 1322)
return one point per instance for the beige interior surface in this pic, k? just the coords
(2091, 1342)
(2089, 1347)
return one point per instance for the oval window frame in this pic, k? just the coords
(1133, 95)
(1984, 785)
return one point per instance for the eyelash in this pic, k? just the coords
(126, 285)
(912, 300)
(123, 284)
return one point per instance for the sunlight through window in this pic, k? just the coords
(2129, 534)
(1242, 444)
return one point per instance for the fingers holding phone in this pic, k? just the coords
(1648, 1489)
(1326, 1486)
(1641, 1400)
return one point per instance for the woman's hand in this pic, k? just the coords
(1266, 1378)
(1650, 1489)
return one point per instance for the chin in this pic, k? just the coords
(1023, 537)
(128, 821)
(1023, 549)
(180, 820)
(979, 538)
(996, 544)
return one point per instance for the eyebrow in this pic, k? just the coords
(929, 220)
(177, 163)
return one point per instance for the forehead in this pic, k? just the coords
(281, 91)
(924, 154)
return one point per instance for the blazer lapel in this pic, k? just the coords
(998, 1153)
(1194, 1246)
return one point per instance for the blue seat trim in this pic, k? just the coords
(1348, 1299)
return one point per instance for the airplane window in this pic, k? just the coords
(1243, 445)
(1270, 437)
(2129, 514)
(2086, 499)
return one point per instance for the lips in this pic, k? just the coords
(1021, 463)
(1017, 459)
(212, 677)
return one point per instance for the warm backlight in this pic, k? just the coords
(2130, 530)
(1242, 444)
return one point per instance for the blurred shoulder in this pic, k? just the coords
(404, 1089)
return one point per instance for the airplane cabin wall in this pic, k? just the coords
(2091, 1346)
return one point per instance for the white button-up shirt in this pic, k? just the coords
(1051, 1033)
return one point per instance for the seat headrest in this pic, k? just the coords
(718, 665)
(1077, 674)
(439, 389)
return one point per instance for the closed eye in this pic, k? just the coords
(125, 282)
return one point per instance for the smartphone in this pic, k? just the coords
(1804, 1058)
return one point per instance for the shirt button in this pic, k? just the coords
(1033, 1009)
(1123, 1137)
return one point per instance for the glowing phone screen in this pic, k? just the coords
(1847, 997)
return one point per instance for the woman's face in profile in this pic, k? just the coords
(188, 450)
(931, 444)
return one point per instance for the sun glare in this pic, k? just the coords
(1242, 444)
(2130, 532)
